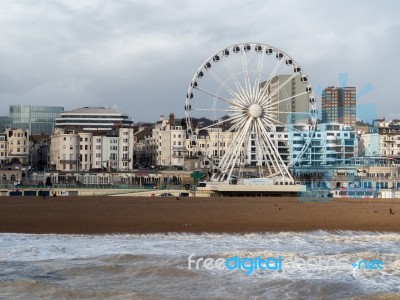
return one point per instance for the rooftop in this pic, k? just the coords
(92, 110)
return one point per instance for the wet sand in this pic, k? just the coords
(105, 215)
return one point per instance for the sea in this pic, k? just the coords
(329, 265)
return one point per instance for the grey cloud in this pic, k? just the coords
(139, 56)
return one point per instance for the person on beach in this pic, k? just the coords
(391, 212)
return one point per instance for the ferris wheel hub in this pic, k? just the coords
(255, 110)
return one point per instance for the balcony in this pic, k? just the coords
(297, 138)
(331, 159)
(331, 138)
(330, 151)
(68, 161)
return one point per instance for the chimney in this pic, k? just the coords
(171, 120)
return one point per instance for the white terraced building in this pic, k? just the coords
(170, 142)
(217, 142)
(14, 144)
(92, 119)
(382, 140)
(83, 151)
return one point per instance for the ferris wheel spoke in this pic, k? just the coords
(276, 91)
(269, 121)
(275, 153)
(236, 81)
(233, 147)
(217, 109)
(280, 112)
(227, 156)
(268, 152)
(286, 99)
(217, 123)
(265, 152)
(219, 97)
(261, 150)
(229, 152)
(271, 157)
(268, 157)
(234, 158)
(262, 92)
(221, 82)
(246, 74)
(239, 124)
(258, 71)
(272, 121)
(243, 98)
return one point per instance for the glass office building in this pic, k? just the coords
(38, 119)
(4, 123)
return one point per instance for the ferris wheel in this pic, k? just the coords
(256, 97)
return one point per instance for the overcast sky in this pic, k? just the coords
(139, 56)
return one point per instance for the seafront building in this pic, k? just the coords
(331, 144)
(36, 119)
(92, 119)
(73, 151)
(92, 138)
(170, 142)
(14, 146)
(145, 147)
(383, 139)
(3, 149)
(336, 162)
(339, 105)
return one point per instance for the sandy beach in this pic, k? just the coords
(105, 215)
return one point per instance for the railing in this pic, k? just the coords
(169, 186)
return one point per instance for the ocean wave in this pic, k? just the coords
(29, 289)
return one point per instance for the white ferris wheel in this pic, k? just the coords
(256, 97)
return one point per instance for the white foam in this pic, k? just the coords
(159, 256)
